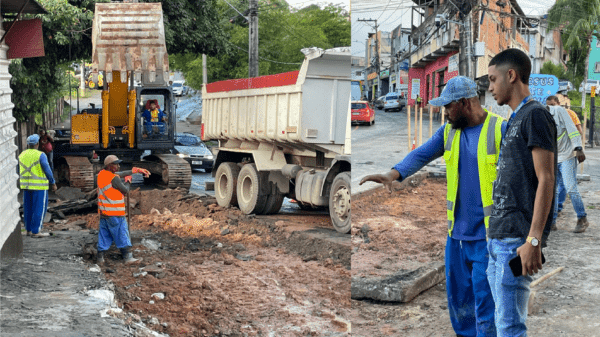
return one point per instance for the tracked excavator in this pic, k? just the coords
(128, 44)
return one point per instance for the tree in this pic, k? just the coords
(191, 26)
(282, 35)
(579, 22)
(553, 69)
(38, 82)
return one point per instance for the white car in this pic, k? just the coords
(588, 86)
(178, 88)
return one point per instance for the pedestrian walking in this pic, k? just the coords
(46, 146)
(570, 152)
(523, 191)
(35, 177)
(470, 144)
(111, 206)
(418, 101)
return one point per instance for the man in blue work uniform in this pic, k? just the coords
(154, 118)
(35, 176)
(470, 144)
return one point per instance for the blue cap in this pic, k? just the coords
(33, 139)
(456, 88)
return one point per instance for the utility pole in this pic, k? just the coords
(469, 29)
(253, 40)
(377, 63)
(204, 74)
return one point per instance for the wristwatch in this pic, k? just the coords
(534, 241)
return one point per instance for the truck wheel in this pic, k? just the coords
(226, 184)
(274, 202)
(339, 203)
(248, 190)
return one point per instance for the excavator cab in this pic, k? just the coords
(155, 127)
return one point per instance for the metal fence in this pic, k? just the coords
(595, 123)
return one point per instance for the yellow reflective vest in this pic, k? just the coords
(32, 176)
(488, 150)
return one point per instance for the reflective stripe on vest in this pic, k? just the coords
(488, 150)
(31, 174)
(111, 202)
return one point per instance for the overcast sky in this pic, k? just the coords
(391, 13)
(304, 3)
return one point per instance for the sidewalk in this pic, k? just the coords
(52, 292)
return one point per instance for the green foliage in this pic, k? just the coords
(553, 69)
(578, 21)
(282, 34)
(38, 82)
(193, 26)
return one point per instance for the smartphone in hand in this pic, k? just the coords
(517, 267)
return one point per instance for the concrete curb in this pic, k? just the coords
(402, 286)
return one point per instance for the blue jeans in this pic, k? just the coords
(567, 172)
(113, 229)
(511, 293)
(561, 193)
(470, 299)
(160, 128)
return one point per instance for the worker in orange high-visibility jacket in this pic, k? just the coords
(111, 206)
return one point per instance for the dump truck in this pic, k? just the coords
(128, 44)
(284, 135)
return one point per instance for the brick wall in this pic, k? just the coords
(430, 69)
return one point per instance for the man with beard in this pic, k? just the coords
(523, 191)
(470, 144)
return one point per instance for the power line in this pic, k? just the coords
(260, 57)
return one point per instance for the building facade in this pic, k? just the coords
(377, 83)
(11, 242)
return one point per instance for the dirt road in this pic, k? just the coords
(565, 305)
(206, 271)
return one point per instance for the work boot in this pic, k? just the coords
(128, 257)
(582, 224)
(100, 259)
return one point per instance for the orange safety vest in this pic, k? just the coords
(111, 202)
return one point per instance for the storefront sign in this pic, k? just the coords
(415, 88)
(542, 86)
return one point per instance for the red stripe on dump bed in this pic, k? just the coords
(276, 80)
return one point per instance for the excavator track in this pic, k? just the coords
(78, 171)
(175, 172)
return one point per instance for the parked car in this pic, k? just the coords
(362, 113)
(177, 88)
(379, 102)
(393, 101)
(564, 85)
(189, 147)
(588, 86)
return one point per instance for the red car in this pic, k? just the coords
(362, 113)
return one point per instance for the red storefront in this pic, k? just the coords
(432, 78)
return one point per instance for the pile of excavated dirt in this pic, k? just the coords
(209, 271)
(402, 230)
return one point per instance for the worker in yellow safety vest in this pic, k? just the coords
(470, 145)
(111, 206)
(35, 175)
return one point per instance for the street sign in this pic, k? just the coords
(542, 86)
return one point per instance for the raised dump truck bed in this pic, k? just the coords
(284, 135)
